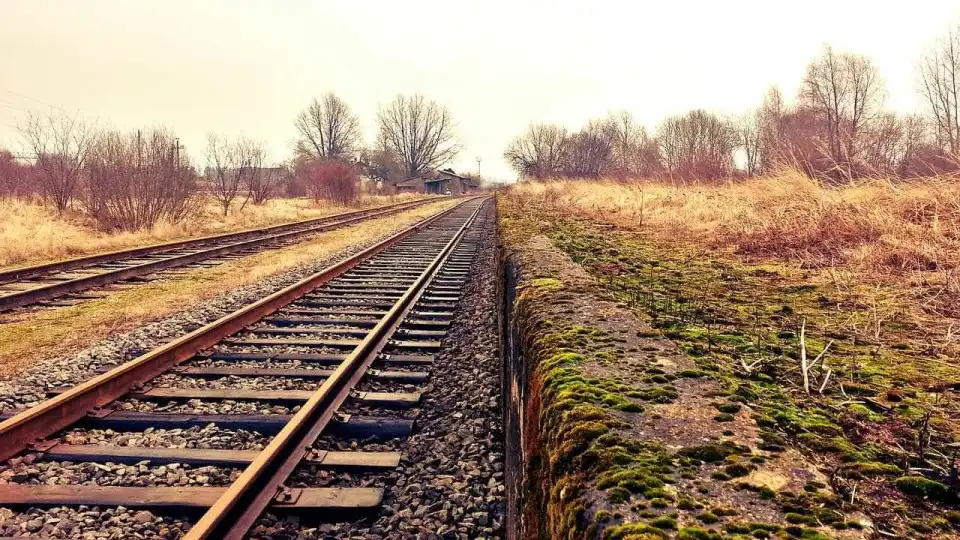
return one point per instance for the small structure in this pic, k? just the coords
(447, 181)
(443, 182)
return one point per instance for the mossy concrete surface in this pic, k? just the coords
(665, 398)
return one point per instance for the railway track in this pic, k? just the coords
(69, 282)
(338, 355)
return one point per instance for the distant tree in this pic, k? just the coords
(848, 92)
(59, 145)
(328, 130)
(697, 145)
(261, 181)
(230, 165)
(940, 75)
(17, 178)
(419, 131)
(383, 165)
(634, 153)
(135, 180)
(539, 153)
(750, 138)
(589, 153)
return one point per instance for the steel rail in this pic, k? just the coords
(46, 292)
(236, 511)
(16, 274)
(25, 428)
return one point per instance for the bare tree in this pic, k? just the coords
(634, 153)
(940, 73)
(328, 130)
(848, 91)
(588, 153)
(750, 137)
(59, 145)
(135, 180)
(229, 167)
(540, 152)
(261, 181)
(773, 151)
(697, 145)
(419, 131)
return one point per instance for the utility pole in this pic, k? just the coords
(478, 168)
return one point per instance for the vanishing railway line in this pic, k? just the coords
(338, 354)
(71, 281)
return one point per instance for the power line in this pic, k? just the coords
(9, 91)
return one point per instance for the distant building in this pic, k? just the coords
(439, 183)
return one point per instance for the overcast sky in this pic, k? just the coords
(237, 67)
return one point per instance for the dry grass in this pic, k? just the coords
(32, 233)
(869, 233)
(49, 333)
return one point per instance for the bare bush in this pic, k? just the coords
(17, 179)
(59, 145)
(333, 181)
(328, 130)
(419, 131)
(136, 180)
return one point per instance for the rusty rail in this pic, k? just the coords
(20, 431)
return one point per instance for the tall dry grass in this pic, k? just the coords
(31, 232)
(871, 231)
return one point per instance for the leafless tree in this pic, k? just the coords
(419, 131)
(848, 91)
(59, 144)
(135, 180)
(697, 145)
(773, 139)
(635, 153)
(261, 181)
(891, 142)
(540, 152)
(229, 167)
(750, 136)
(328, 130)
(589, 152)
(940, 73)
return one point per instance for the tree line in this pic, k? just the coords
(132, 180)
(836, 129)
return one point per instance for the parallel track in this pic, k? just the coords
(375, 318)
(67, 282)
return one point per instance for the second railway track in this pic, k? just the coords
(71, 281)
(339, 354)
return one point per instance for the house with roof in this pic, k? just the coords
(441, 182)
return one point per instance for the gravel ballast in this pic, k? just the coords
(450, 481)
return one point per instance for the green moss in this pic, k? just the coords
(800, 519)
(919, 486)
(729, 408)
(708, 518)
(664, 522)
(633, 531)
(867, 469)
(723, 417)
(618, 495)
(711, 452)
(696, 533)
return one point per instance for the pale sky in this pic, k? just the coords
(247, 67)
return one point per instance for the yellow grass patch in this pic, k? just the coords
(32, 233)
(871, 232)
(30, 337)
